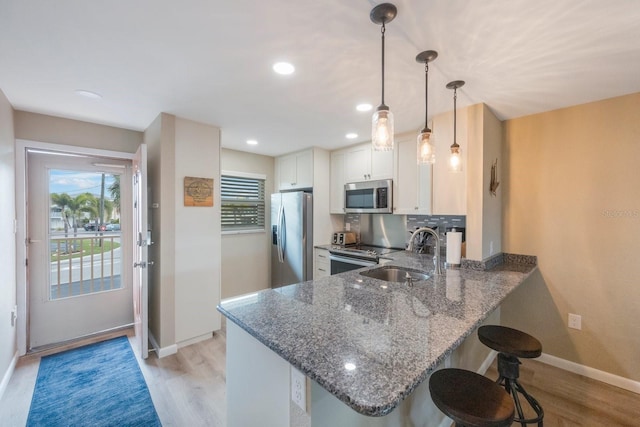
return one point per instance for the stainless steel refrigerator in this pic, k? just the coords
(291, 238)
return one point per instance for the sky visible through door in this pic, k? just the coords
(84, 233)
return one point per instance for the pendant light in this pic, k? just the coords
(426, 148)
(382, 120)
(455, 160)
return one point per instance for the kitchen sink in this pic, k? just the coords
(395, 274)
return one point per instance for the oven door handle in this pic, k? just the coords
(354, 261)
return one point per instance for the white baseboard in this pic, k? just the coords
(595, 374)
(487, 362)
(195, 340)
(164, 351)
(7, 375)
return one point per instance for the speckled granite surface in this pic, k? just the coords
(369, 342)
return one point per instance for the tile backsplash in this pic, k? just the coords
(443, 222)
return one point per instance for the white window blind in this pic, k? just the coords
(242, 206)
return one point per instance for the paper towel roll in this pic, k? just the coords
(454, 244)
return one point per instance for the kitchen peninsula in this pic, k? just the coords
(366, 345)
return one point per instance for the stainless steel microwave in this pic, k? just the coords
(369, 197)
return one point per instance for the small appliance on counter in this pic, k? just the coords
(344, 238)
(380, 235)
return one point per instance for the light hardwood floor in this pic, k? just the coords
(188, 389)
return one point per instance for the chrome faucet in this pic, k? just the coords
(436, 257)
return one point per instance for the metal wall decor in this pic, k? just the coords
(493, 184)
(382, 121)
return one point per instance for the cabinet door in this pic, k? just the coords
(287, 172)
(450, 188)
(405, 184)
(413, 182)
(336, 201)
(322, 264)
(304, 169)
(381, 164)
(358, 163)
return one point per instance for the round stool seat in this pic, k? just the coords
(470, 399)
(510, 341)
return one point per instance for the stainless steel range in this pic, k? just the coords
(347, 258)
(379, 235)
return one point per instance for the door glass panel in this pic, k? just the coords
(84, 233)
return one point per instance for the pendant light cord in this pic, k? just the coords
(426, 95)
(382, 31)
(455, 97)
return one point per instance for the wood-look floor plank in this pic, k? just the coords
(188, 388)
(571, 400)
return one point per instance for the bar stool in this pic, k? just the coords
(512, 344)
(470, 399)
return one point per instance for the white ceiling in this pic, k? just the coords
(210, 61)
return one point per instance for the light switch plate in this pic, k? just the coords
(575, 321)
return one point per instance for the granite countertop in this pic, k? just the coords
(369, 342)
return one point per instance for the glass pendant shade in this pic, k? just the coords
(382, 130)
(455, 160)
(426, 147)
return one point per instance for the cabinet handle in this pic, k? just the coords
(321, 256)
(322, 269)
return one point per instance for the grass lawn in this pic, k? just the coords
(87, 245)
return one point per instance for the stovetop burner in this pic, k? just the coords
(362, 251)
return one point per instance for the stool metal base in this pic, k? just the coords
(509, 370)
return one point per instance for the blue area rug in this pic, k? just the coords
(97, 385)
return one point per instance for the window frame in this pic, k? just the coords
(245, 175)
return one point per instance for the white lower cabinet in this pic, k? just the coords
(322, 264)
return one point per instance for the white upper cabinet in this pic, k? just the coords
(295, 171)
(338, 181)
(450, 188)
(412, 183)
(364, 164)
(358, 163)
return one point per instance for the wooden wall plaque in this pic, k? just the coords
(198, 191)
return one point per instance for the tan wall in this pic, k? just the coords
(571, 186)
(246, 258)
(197, 233)
(7, 237)
(43, 128)
(159, 137)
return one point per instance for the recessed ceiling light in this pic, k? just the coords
(283, 68)
(351, 135)
(349, 366)
(364, 107)
(252, 142)
(88, 94)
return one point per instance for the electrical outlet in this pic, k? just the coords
(299, 388)
(575, 321)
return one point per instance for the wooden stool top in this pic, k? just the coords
(509, 341)
(470, 399)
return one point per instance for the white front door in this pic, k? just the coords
(141, 261)
(78, 280)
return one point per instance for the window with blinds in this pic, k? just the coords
(242, 203)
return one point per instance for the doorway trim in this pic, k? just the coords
(21, 223)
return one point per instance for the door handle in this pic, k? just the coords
(30, 241)
(141, 264)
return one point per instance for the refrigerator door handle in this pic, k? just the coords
(283, 234)
(279, 234)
